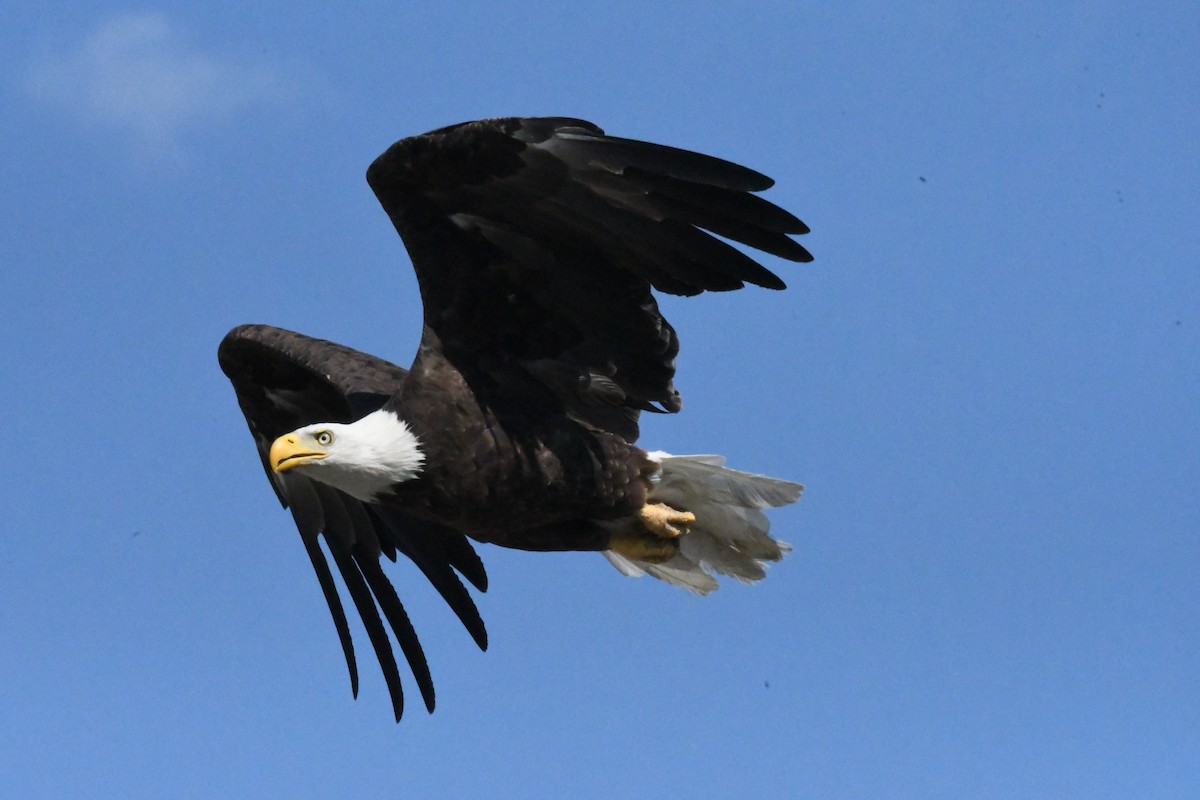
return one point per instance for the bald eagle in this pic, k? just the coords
(536, 243)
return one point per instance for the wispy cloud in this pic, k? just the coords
(138, 75)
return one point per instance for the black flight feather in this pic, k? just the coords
(285, 380)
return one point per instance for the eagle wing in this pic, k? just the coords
(536, 243)
(286, 380)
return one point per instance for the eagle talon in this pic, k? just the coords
(662, 520)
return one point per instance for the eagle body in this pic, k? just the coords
(506, 474)
(537, 244)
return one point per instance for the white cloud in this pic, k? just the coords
(139, 76)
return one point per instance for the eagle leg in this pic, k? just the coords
(644, 547)
(653, 538)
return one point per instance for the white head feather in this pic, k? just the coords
(367, 457)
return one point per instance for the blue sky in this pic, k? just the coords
(988, 380)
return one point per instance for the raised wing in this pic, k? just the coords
(285, 380)
(536, 243)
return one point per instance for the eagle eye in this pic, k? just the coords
(324, 438)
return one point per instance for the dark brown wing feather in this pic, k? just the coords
(536, 243)
(286, 380)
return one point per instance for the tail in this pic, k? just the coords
(731, 533)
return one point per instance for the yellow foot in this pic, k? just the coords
(662, 520)
(644, 547)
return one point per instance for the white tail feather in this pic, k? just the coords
(731, 533)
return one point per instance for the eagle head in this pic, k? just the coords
(364, 459)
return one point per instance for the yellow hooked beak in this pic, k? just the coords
(287, 452)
